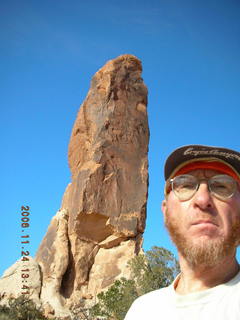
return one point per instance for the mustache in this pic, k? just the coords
(208, 219)
(199, 216)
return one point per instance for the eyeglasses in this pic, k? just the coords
(220, 186)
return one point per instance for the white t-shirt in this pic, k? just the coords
(219, 303)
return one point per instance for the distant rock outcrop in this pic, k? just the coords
(102, 217)
(11, 282)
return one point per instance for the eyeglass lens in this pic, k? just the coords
(185, 186)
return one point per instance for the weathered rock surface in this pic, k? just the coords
(54, 262)
(102, 217)
(12, 281)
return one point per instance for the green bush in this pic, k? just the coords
(156, 269)
(153, 270)
(21, 308)
(116, 301)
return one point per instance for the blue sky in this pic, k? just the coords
(49, 52)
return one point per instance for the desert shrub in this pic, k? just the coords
(21, 308)
(153, 270)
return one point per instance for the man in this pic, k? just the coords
(202, 214)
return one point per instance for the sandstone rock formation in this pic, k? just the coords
(11, 282)
(100, 223)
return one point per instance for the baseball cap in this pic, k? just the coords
(185, 155)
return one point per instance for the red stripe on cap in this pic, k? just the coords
(211, 165)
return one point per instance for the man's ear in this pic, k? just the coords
(164, 207)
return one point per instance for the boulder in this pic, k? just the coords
(23, 277)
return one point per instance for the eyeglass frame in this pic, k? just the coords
(170, 184)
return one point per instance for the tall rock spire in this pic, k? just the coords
(102, 217)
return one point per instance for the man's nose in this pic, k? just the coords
(203, 198)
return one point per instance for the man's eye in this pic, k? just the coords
(220, 186)
(187, 185)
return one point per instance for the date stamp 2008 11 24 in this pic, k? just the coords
(25, 240)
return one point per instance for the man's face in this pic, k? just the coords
(204, 228)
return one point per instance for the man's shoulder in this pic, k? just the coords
(158, 294)
(150, 303)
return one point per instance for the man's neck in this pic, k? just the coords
(204, 277)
